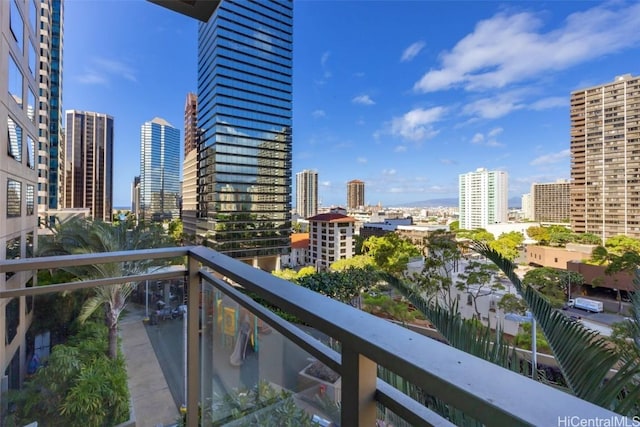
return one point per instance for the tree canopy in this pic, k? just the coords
(552, 283)
(390, 252)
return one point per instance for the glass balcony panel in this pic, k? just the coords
(252, 374)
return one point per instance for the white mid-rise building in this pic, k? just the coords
(307, 193)
(527, 206)
(331, 237)
(483, 198)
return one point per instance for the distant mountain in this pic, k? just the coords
(514, 202)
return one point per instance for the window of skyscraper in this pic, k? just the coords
(16, 24)
(14, 198)
(31, 159)
(15, 81)
(31, 105)
(33, 59)
(14, 137)
(33, 14)
(29, 199)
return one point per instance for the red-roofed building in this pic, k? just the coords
(299, 255)
(332, 237)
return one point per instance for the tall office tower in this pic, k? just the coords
(89, 163)
(605, 158)
(135, 195)
(527, 207)
(50, 141)
(483, 198)
(244, 115)
(190, 165)
(355, 194)
(551, 201)
(18, 177)
(159, 171)
(307, 193)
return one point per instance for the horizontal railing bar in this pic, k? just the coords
(85, 284)
(466, 382)
(407, 408)
(320, 351)
(58, 261)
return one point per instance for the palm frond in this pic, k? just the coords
(584, 357)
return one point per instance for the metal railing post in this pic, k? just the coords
(193, 343)
(359, 379)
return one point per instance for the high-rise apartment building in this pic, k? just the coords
(244, 116)
(19, 65)
(483, 198)
(89, 163)
(51, 158)
(605, 158)
(307, 193)
(355, 194)
(331, 238)
(551, 201)
(159, 171)
(190, 165)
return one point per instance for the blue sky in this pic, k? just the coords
(404, 95)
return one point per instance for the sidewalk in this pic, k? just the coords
(153, 403)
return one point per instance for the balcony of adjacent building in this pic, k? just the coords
(374, 372)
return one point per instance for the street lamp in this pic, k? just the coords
(525, 319)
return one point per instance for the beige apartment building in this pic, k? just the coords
(551, 202)
(190, 165)
(331, 237)
(605, 158)
(355, 194)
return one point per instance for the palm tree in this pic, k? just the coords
(81, 236)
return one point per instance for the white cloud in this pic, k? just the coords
(412, 51)
(551, 102)
(448, 162)
(325, 183)
(495, 107)
(102, 70)
(416, 125)
(318, 114)
(400, 149)
(324, 59)
(388, 172)
(361, 160)
(494, 132)
(510, 48)
(478, 138)
(550, 158)
(363, 100)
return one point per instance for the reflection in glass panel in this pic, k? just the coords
(14, 136)
(15, 81)
(31, 152)
(29, 197)
(13, 198)
(33, 16)
(31, 106)
(12, 251)
(16, 24)
(29, 246)
(29, 299)
(12, 319)
(33, 59)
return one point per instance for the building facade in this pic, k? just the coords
(89, 163)
(159, 171)
(51, 167)
(355, 194)
(244, 115)
(483, 198)
(527, 206)
(307, 193)
(190, 165)
(19, 62)
(551, 202)
(331, 237)
(605, 158)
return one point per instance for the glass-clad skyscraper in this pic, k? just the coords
(244, 116)
(159, 171)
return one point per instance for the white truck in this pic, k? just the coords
(586, 304)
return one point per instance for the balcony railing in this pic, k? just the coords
(481, 390)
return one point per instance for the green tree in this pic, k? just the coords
(478, 280)
(442, 256)
(510, 303)
(552, 283)
(507, 244)
(80, 236)
(386, 305)
(479, 234)
(286, 274)
(390, 252)
(175, 229)
(540, 234)
(618, 245)
(523, 339)
(358, 261)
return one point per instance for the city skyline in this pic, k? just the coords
(397, 111)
